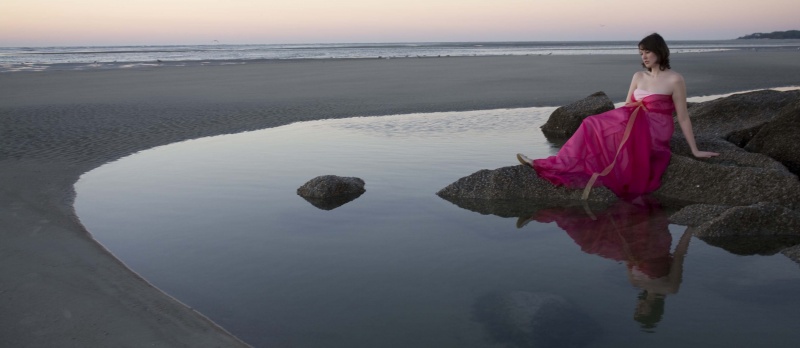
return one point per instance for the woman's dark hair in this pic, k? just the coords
(649, 311)
(656, 44)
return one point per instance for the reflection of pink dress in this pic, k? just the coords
(633, 164)
(637, 234)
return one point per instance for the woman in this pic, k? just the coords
(627, 149)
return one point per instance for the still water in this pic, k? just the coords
(216, 223)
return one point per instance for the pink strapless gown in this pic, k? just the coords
(640, 160)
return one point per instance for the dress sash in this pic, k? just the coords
(625, 136)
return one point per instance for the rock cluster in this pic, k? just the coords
(747, 199)
(328, 192)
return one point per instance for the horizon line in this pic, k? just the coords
(216, 43)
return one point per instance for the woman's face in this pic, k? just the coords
(649, 58)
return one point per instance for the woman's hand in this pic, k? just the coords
(704, 154)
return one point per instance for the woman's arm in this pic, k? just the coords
(671, 283)
(679, 99)
(675, 276)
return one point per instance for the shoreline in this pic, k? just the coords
(60, 287)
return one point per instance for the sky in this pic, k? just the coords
(155, 22)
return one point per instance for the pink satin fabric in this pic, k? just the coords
(636, 164)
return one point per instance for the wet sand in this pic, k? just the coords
(58, 287)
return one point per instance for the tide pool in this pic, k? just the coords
(216, 223)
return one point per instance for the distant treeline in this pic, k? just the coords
(789, 34)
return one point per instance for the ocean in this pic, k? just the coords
(13, 59)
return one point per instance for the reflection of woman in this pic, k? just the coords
(636, 234)
(627, 149)
(656, 286)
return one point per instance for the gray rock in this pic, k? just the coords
(697, 214)
(730, 154)
(516, 183)
(741, 137)
(696, 181)
(780, 138)
(330, 191)
(722, 117)
(564, 121)
(526, 319)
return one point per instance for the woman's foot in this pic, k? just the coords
(524, 160)
(523, 220)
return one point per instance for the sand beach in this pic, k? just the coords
(58, 287)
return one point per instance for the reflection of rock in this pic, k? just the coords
(331, 203)
(762, 219)
(525, 319)
(763, 228)
(519, 208)
(515, 183)
(330, 191)
(566, 119)
(753, 245)
(793, 253)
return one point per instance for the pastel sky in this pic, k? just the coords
(138, 22)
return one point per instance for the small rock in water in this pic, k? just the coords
(328, 192)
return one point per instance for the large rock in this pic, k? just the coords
(516, 183)
(565, 120)
(730, 154)
(780, 138)
(527, 319)
(723, 117)
(330, 191)
(697, 214)
(697, 181)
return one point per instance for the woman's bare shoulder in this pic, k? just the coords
(674, 76)
(637, 76)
